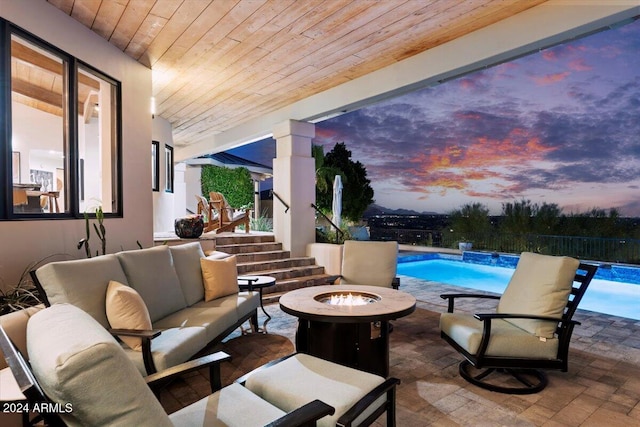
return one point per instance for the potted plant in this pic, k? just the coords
(24, 293)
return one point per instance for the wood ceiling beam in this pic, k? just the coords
(30, 56)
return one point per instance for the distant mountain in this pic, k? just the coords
(374, 210)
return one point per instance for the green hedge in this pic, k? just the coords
(235, 184)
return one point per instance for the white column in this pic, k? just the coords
(294, 182)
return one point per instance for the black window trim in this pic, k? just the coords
(70, 129)
(168, 166)
(155, 179)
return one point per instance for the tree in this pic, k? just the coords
(517, 217)
(324, 174)
(546, 218)
(470, 220)
(357, 193)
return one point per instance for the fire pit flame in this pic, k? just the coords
(347, 298)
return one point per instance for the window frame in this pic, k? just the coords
(70, 130)
(168, 168)
(155, 165)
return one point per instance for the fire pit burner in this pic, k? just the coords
(348, 298)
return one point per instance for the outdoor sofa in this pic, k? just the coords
(169, 280)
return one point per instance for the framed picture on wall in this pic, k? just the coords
(15, 166)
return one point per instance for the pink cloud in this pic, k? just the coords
(551, 78)
(579, 65)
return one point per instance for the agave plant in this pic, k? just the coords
(24, 294)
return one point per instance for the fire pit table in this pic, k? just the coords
(347, 324)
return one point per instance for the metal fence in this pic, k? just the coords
(621, 250)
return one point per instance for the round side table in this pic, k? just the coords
(252, 283)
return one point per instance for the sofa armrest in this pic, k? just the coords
(140, 333)
(451, 298)
(306, 415)
(157, 380)
(146, 336)
(388, 387)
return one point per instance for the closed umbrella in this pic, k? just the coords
(337, 200)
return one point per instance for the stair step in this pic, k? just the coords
(249, 247)
(273, 293)
(240, 239)
(290, 272)
(243, 258)
(277, 264)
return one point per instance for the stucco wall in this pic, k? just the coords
(26, 241)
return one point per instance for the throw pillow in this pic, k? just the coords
(220, 277)
(126, 310)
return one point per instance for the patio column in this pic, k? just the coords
(294, 182)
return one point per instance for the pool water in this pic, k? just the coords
(602, 296)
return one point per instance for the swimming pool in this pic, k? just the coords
(603, 295)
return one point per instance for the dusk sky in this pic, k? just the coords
(558, 126)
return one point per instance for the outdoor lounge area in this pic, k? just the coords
(109, 109)
(602, 386)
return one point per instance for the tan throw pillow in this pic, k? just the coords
(220, 277)
(126, 310)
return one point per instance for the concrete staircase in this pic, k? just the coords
(260, 254)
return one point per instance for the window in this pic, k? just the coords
(168, 158)
(155, 166)
(39, 88)
(63, 131)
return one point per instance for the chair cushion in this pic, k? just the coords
(507, 339)
(540, 285)
(172, 347)
(77, 362)
(214, 320)
(126, 310)
(220, 277)
(186, 261)
(369, 263)
(82, 283)
(301, 378)
(231, 406)
(244, 302)
(151, 273)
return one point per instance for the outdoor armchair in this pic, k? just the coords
(369, 263)
(80, 376)
(226, 217)
(358, 397)
(530, 330)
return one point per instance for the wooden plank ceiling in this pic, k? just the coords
(219, 63)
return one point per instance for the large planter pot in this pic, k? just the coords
(465, 246)
(189, 227)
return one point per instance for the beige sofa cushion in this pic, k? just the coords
(126, 310)
(214, 320)
(369, 263)
(220, 277)
(151, 273)
(186, 261)
(507, 339)
(233, 406)
(172, 347)
(540, 285)
(302, 378)
(82, 283)
(77, 362)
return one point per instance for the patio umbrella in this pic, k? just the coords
(337, 200)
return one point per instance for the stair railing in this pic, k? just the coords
(274, 194)
(339, 232)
